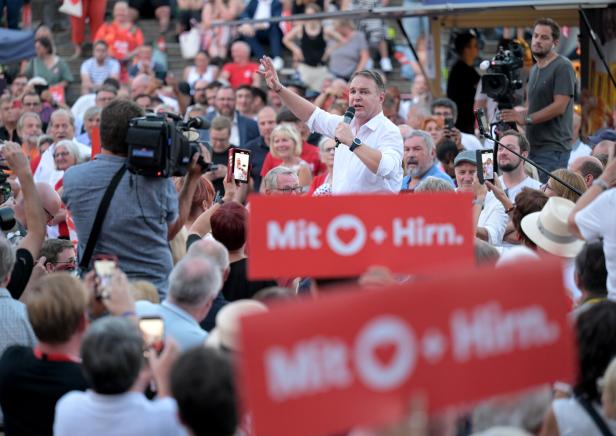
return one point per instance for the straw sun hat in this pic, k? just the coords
(549, 229)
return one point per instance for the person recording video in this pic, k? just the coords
(144, 212)
(548, 122)
(369, 155)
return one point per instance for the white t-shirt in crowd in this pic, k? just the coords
(577, 150)
(46, 171)
(512, 192)
(129, 414)
(470, 142)
(494, 219)
(596, 221)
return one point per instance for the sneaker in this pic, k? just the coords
(278, 63)
(386, 65)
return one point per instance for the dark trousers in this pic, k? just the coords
(550, 160)
(272, 36)
(13, 12)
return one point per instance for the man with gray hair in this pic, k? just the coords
(112, 359)
(61, 126)
(281, 181)
(213, 250)
(29, 128)
(420, 160)
(193, 285)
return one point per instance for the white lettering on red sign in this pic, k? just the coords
(385, 351)
(488, 331)
(346, 234)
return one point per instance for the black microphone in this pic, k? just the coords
(198, 123)
(346, 119)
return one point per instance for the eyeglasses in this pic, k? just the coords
(68, 265)
(200, 89)
(61, 154)
(290, 189)
(441, 114)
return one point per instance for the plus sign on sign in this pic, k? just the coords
(343, 235)
(355, 358)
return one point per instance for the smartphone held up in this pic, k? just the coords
(238, 168)
(486, 168)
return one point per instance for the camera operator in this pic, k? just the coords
(144, 212)
(30, 245)
(549, 119)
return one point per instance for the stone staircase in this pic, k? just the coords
(175, 62)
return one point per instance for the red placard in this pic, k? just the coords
(354, 358)
(341, 236)
(57, 92)
(96, 141)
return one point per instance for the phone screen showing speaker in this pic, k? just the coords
(153, 331)
(241, 165)
(487, 165)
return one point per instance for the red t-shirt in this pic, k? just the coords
(310, 154)
(120, 41)
(240, 74)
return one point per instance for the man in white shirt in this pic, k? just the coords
(514, 178)
(369, 155)
(112, 358)
(488, 212)
(578, 148)
(61, 126)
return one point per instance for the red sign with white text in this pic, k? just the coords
(341, 236)
(355, 357)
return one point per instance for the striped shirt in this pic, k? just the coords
(98, 73)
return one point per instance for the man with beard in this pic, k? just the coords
(419, 160)
(514, 178)
(549, 119)
(29, 128)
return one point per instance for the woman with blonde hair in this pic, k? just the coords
(556, 189)
(286, 145)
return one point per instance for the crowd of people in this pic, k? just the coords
(91, 250)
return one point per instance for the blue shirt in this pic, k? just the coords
(179, 324)
(434, 171)
(135, 226)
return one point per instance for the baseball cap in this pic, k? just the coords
(465, 156)
(601, 135)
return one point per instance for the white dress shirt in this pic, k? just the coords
(494, 219)
(46, 171)
(350, 174)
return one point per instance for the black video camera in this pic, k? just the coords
(502, 79)
(162, 145)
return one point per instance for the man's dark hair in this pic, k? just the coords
(112, 353)
(107, 88)
(111, 81)
(445, 102)
(214, 85)
(229, 225)
(258, 93)
(30, 94)
(590, 269)
(100, 42)
(114, 124)
(286, 116)
(596, 347)
(527, 201)
(372, 75)
(522, 141)
(462, 41)
(591, 167)
(53, 247)
(244, 86)
(202, 383)
(553, 26)
(446, 150)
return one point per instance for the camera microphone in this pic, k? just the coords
(198, 123)
(346, 119)
(484, 65)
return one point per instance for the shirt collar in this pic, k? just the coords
(4, 293)
(375, 121)
(179, 311)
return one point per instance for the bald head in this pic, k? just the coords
(49, 198)
(212, 249)
(140, 85)
(589, 167)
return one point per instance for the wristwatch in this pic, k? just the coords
(528, 120)
(601, 183)
(356, 143)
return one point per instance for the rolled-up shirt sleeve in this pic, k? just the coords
(391, 149)
(323, 122)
